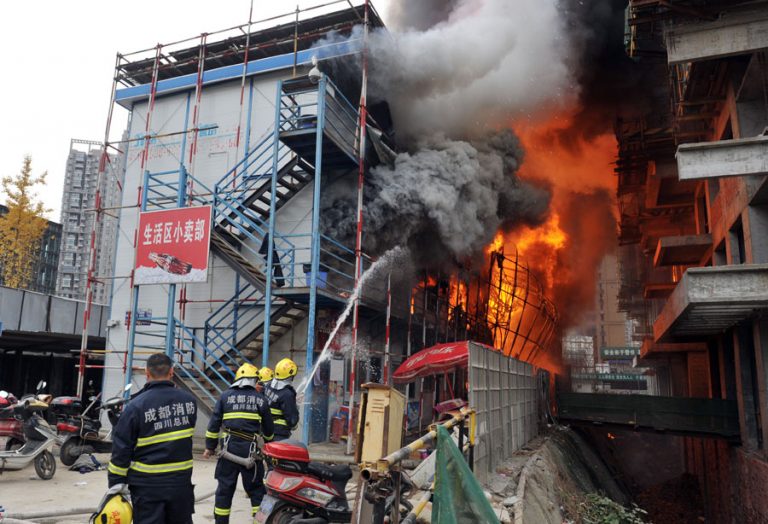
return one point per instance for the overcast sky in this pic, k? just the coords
(57, 67)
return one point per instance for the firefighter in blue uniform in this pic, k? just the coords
(152, 448)
(282, 399)
(240, 415)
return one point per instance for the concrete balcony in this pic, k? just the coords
(682, 250)
(734, 33)
(709, 300)
(651, 349)
(738, 157)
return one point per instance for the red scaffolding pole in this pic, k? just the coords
(359, 235)
(103, 161)
(387, 331)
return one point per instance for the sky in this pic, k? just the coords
(58, 59)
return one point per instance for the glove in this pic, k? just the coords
(119, 489)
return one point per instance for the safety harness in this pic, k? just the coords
(254, 454)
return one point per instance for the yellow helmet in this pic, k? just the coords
(247, 371)
(115, 510)
(285, 368)
(266, 374)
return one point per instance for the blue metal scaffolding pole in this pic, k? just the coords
(315, 262)
(271, 234)
(134, 304)
(181, 199)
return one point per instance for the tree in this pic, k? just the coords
(22, 228)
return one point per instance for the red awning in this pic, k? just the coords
(432, 361)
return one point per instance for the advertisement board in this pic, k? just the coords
(173, 245)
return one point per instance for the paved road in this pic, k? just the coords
(22, 491)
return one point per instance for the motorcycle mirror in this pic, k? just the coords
(41, 385)
(127, 387)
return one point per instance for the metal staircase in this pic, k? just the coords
(244, 200)
(235, 331)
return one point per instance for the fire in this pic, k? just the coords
(548, 233)
(496, 245)
(540, 247)
(457, 296)
(564, 251)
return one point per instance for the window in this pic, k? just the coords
(66, 281)
(75, 199)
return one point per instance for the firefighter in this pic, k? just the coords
(265, 376)
(282, 399)
(240, 415)
(152, 448)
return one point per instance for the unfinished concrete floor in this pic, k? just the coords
(23, 493)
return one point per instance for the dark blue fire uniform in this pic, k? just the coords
(239, 416)
(282, 405)
(152, 453)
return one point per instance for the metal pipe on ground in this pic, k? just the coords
(419, 507)
(20, 517)
(404, 452)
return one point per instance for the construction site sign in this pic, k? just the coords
(172, 246)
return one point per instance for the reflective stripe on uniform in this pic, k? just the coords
(168, 467)
(165, 437)
(276, 411)
(280, 421)
(242, 414)
(211, 434)
(254, 510)
(117, 470)
(222, 512)
(268, 437)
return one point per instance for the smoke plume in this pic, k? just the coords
(446, 198)
(466, 65)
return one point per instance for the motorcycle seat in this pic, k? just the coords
(340, 473)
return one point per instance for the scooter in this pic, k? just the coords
(300, 491)
(84, 430)
(40, 439)
(10, 426)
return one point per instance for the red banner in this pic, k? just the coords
(173, 245)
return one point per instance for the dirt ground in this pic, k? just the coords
(677, 500)
(22, 492)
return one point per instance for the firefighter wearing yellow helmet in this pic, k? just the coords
(266, 375)
(282, 399)
(240, 416)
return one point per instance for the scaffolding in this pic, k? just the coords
(284, 275)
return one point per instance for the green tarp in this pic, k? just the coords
(458, 498)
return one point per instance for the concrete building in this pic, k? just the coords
(77, 220)
(693, 196)
(46, 259)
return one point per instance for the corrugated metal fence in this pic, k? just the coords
(504, 393)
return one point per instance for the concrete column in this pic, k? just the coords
(745, 388)
(698, 374)
(760, 337)
(754, 220)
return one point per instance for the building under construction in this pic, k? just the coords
(693, 199)
(259, 122)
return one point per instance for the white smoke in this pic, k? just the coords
(478, 64)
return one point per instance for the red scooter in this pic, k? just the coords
(300, 491)
(10, 426)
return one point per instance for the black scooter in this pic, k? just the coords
(84, 430)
